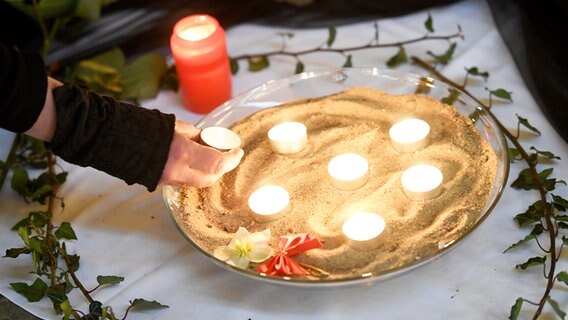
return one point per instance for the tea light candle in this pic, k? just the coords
(409, 135)
(199, 49)
(288, 137)
(268, 203)
(362, 230)
(348, 171)
(422, 181)
(220, 138)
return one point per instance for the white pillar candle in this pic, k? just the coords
(348, 171)
(268, 203)
(362, 230)
(288, 137)
(220, 138)
(409, 135)
(422, 181)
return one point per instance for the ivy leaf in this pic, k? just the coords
(256, 64)
(88, 9)
(531, 262)
(446, 57)
(527, 125)
(15, 252)
(234, 65)
(502, 93)
(100, 73)
(102, 280)
(34, 292)
(57, 296)
(429, 23)
(474, 71)
(24, 233)
(546, 154)
(516, 309)
(299, 67)
(95, 309)
(556, 308)
(513, 154)
(563, 277)
(36, 244)
(526, 180)
(452, 96)
(399, 58)
(41, 194)
(20, 180)
(65, 307)
(73, 262)
(141, 304)
(537, 230)
(141, 79)
(348, 62)
(560, 203)
(65, 231)
(332, 32)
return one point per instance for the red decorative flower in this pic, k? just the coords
(281, 264)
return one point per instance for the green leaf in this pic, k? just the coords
(101, 73)
(73, 262)
(446, 57)
(57, 296)
(474, 71)
(348, 62)
(332, 32)
(424, 85)
(96, 308)
(61, 177)
(546, 154)
(113, 58)
(141, 304)
(102, 280)
(36, 244)
(41, 194)
(560, 203)
(299, 67)
(34, 292)
(141, 79)
(399, 58)
(556, 308)
(429, 23)
(65, 307)
(452, 96)
(531, 262)
(526, 180)
(65, 231)
(513, 154)
(234, 65)
(516, 309)
(563, 277)
(20, 180)
(502, 93)
(537, 230)
(88, 9)
(15, 252)
(22, 223)
(24, 233)
(256, 64)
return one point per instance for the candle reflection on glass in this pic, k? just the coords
(422, 181)
(348, 171)
(268, 203)
(362, 230)
(220, 138)
(409, 135)
(288, 137)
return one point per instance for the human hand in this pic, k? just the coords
(193, 164)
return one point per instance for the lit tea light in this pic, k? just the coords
(220, 138)
(409, 135)
(422, 181)
(348, 171)
(268, 203)
(288, 137)
(363, 229)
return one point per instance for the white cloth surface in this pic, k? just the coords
(124, 230)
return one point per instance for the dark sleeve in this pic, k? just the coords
(124, 140)
(23, 84)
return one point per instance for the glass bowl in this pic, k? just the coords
(327, 82)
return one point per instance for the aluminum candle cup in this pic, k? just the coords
(269, 203)
(348, 171)
(288, 137)
(422, 182)
(220, 138)
(363, 229)
(409, 135)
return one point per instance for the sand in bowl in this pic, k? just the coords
(356, 120)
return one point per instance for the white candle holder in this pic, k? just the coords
(269, 203)
(422, 182)
(348, 171)
(409, 135)
(362, 230)
(220, 138)
(288, 137)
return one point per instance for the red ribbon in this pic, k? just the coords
(281, 264)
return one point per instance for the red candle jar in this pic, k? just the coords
(200, 52)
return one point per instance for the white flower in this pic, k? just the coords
(245, 248)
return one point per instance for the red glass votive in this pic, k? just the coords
(200, 52)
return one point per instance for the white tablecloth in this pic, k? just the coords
(124, 230)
